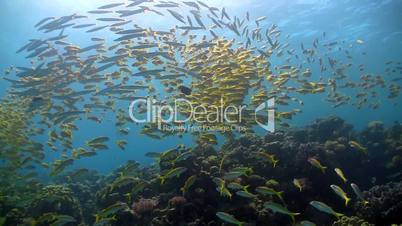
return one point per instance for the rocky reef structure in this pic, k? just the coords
(384, 204)
(351, 221)
(326, 139)
(55, 199)
(189, 186)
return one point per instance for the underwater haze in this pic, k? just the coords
(209, 112)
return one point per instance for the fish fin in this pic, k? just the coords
(323, 169)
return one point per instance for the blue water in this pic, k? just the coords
(378, 23)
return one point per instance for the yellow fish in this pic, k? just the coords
(356, 145)
(340, 174)
(298, 184)
(269, 157)
(317, 164)
(341, 194)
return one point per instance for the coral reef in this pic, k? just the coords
(384, 204)
(55, 199)
(351, 221)
(188, 186)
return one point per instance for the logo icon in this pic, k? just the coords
(269, 107)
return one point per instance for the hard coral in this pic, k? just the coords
(143, 206)
(177, 201)
(385, 204)
(351, 221)
(56, 199)
(328, 129)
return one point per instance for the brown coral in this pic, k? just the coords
(177, 201)
(143, 206)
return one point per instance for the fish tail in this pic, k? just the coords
(245, 188)
(293, 219)
(292, 215)
(365, 150)
(279, 194)
(347, 200)
(365, 203)
(274, 162)
(338, 215)
(162, 180)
